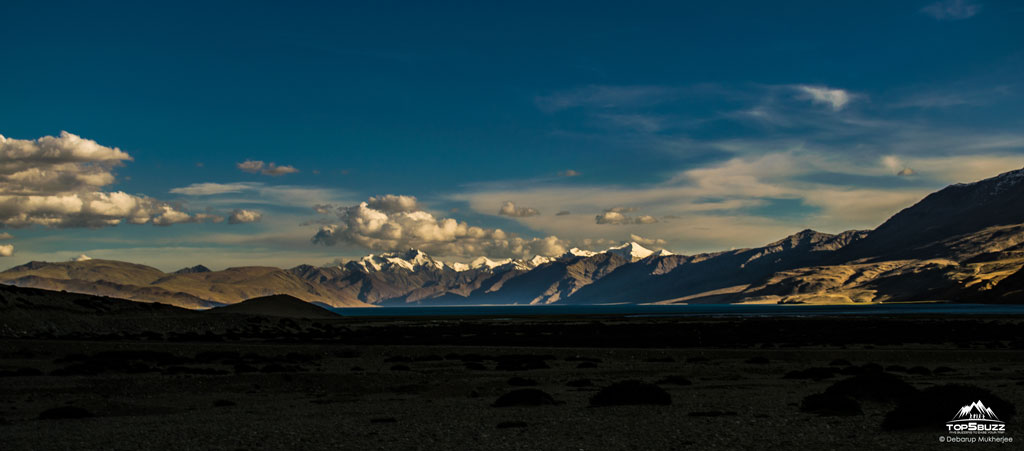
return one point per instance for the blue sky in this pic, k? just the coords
(694, 127)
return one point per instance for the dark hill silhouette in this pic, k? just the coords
(280, 305)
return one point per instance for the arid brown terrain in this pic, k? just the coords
(90, 373)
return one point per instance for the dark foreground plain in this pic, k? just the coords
(153, 377)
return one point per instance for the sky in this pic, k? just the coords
(269, 133)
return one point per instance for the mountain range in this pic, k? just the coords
(964, 243)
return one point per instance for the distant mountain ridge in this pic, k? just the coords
(964, 243)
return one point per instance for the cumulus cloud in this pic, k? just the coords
(393, 226)
(617, 216)
(509, 208)
(58, 182)
(835, 98)
(81, 258)
(241, 216)
(260, 167)
(569, 173)
(6, 250)
(952, 10)
(391, 203)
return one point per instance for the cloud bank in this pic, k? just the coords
(395, 222)
(58, 182)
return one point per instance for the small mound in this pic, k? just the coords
(937, 405)
(527, 397)
(830, 404)
(278, 305)
(65, 413)
(920, 371)
(631, 393)
(878, 387)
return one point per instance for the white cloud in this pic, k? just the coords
(615, 216)
(952, 10)
(377, 229)
(82, 258)
(6, 250)
(212, 189)
(58, 182)
(260, 167)
(835, 98)
(391, 203)
(509, 208)
(241, 216)
(654, 243)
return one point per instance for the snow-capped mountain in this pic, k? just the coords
(630, 251)
(410, 260)
(576, 252)
(486, 263)
(963, 243)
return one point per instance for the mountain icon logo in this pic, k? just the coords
(975, 411)
(975, 418)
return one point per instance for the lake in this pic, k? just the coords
(638, 310)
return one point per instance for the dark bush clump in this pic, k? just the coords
(65, 413)
(511, 424)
